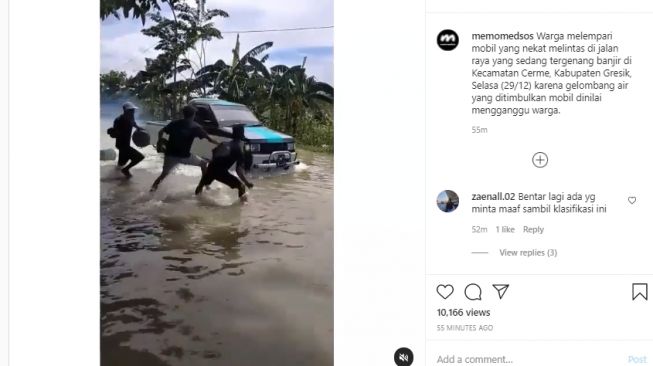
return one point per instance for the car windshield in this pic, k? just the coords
(230, 115)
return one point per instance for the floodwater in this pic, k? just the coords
(208, 281)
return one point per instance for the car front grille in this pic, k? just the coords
(268, 148)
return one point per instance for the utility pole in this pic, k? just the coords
(200, 9)
(202, 56)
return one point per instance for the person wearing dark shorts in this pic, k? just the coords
(224, 156)
(181, 134)
(122, 132)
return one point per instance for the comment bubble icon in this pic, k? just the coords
(473, 292)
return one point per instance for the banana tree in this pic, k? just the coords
(239, 82)
(296, 94)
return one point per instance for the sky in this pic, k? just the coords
(124, 47)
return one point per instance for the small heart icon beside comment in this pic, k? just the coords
(632, 199)
(444, 291)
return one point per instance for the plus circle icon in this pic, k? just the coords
(540, 159)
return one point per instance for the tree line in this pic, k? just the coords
(283, 97)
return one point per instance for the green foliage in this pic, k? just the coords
(315, 133)
(313, 130)
(112, 82)
(176, 37)
(284, 97)
(137, 8)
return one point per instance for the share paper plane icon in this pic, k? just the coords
(501, 289)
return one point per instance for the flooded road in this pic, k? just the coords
(208, 281)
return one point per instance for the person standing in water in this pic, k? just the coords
(224, 156)
(122, 132)
(181, 134)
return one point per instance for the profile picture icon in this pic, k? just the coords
(448, 201)
(447, 40)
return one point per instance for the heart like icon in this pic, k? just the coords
(444, 291)
(632, 199)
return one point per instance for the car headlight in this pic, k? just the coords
(255, 148)
(291, 146)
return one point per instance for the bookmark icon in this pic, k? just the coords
(640, 290)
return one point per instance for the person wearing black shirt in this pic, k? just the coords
(122, 132)
(181, 134)
(224, 156)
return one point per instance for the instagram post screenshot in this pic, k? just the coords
(478, 192)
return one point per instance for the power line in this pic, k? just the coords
(250, 31)
(135, 58)
(277, 30)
